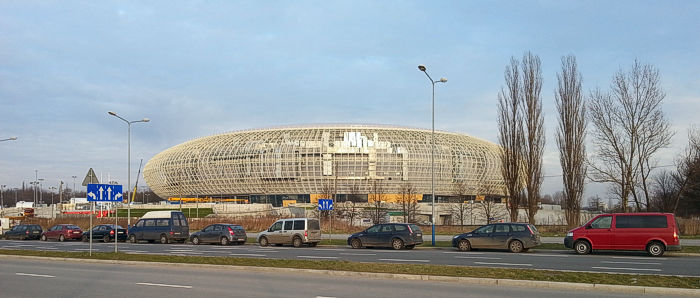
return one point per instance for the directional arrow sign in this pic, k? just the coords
(104, 192)
(325, 204)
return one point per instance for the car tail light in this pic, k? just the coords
(409, 229)
(230, 231)
(111, 232)
(675, 235)
(531, 232)
(70, 231)
(306, 233)
(171, 232)
(27, 232)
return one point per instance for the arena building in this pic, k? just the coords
(303, 163)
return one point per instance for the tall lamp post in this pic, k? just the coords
(2, 201)
(128, 199)
(432, 150)
(72, 191)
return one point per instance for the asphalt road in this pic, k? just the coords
(46, 278)
(611, 262)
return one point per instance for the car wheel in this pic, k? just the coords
(296, 242)
(224, 241)
(464, 245)
(410, 246)
(356, 243)
(263, 241)
(313, 244)
(655, 249)
(61, 238)
(397, 243)
(582, 247)
(85, 239)
(163, 239)
(195, 240)
(515, 246)
(132, 238)
(43, 238)
(105, 239)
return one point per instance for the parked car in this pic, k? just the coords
(23, 232)
(515, 237)
(294, 231)
(653, 232)
(105, 233)
(164, 226)
(395, 235)
(62, 232)
(222, 233)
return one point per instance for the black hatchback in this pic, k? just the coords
(23, 232)
(516, 237)
(105, 233)
(221, 233)
(395, 235)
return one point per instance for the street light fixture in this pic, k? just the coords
(128, 199)
(422, 68)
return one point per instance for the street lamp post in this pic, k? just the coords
(73, 190)
(41, 195)
(2, 200)
(432, 151)
(128, 199)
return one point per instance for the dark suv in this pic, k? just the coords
(23, 232)
(516, 237)
(395, 235)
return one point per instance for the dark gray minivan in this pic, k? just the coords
(162, 226)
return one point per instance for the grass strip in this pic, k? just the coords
(419, 269)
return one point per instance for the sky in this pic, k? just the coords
(199, 68)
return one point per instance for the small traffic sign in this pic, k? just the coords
(325, 204)
(90, 178)
(104, 193)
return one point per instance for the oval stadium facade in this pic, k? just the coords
(302, 163)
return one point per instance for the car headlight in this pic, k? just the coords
(455, 236)
(570, 234)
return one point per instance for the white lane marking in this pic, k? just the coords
(316, 257)
(504, 264)
(248, 255)
(180, 249)
(34, 275)
(466, 253)
(487, 258)
(356, 254)
(325, 297)
(404, 260)
(633, 263)
(547, 255)
(631, 269)
(639, 258)
(227, 247)
(163, 285)
(134, 251)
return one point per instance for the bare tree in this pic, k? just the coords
(408, 201)
(571, 137)
(376, 212)
(510, 137)
(534, 131)
(665, 191)
(349, 209)
(460, 209)
(490, 210)
(687, 176)
(629, 127)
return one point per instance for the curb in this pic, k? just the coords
(463, 280)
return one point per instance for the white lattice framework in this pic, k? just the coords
(305, 159)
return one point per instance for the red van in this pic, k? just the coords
(653, 232)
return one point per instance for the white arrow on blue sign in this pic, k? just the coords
(104, 193)
(325, 204)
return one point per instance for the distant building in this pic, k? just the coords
(304, 163)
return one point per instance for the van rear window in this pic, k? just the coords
(313, 224)
(298, 225)
(641, 221)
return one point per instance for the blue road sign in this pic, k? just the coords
(104, 193)
(325, 204)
